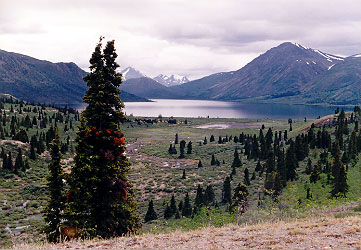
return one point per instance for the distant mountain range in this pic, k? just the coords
(41, 81)
(288, 73)
(170, 81)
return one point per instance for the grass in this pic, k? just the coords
(321, 231)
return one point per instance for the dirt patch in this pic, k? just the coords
(133, 153)
(227, 125)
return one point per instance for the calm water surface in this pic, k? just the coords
(214, 109)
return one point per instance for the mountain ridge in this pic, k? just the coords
(41, 81)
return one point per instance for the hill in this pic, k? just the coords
(40, 81)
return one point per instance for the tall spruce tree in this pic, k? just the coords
(101, 200)
(53, 211)
(151, 214)
(339, 180)
(226, 192)
(187, 207)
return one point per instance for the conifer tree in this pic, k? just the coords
(189, 147)
(187, 207)
(182, 145)
(101, 200)
(236, 160)
(213, 161)
(205, 141)
(199, 201)
(53, 212)
(168, 212)
(176, 139)
(173, 205)
(226, 192)
(184, 174)
(19, 163)
(151, 214)
(246, 177)
(339, 180)
(211, 139)
(239, 198)
(200, 164)
(209, 195)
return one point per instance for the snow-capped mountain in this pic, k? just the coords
(172, 80)
(129, 73)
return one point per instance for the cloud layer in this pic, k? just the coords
(192, 38)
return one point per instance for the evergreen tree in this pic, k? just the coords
(205, 141)
(213, 161)
(10, 165)
(53, 212)
(309, 166)
(19, 163)
(182, 145)
(189, 147)
(151, 214)
(209, 195)
(187, 208)
(246, 177)
(236, 160)
(173, 205)
(101, 200)
(211, 139)
(200, 164)
(291, 162)
(176, 139)
(239, 198)
(199, 201)
(226, 192)
(184, 174)
(168, 212)
(339, 180)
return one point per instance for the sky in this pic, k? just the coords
(194, 38)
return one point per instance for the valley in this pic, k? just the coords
(157, 175)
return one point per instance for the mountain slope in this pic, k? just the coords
(282, 70)
(170, 81)
(148, 88)
(341, 84)
(41, 81)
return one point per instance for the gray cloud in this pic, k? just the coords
(188, 37)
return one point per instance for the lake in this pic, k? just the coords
(220, 109)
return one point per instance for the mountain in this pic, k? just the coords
(148, 88)
(339, 85)
(130, 73)
(172, 80)
(281, 71)
(41, 81)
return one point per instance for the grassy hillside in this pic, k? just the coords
(157, 175)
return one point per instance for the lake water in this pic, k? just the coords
(214, 109)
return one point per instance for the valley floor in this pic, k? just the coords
(333, 231)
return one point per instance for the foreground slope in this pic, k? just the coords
(324, 232)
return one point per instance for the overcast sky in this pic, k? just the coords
(186, 37)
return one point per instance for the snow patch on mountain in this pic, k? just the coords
(172, 80)
(129, 73)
